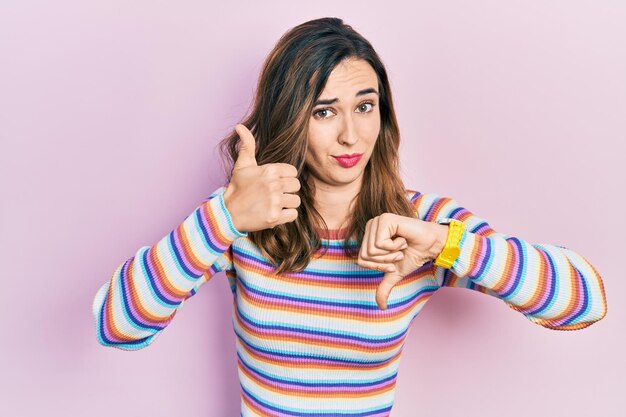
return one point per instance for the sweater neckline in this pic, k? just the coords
(332, 234)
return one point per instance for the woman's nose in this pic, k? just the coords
(347, 136)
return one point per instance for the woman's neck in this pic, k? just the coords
(335, 203)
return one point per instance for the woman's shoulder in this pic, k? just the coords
(412, 194)
(423, 202)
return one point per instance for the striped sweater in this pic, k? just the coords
(315, 343)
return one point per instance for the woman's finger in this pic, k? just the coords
(364, 243)
(384, 289)
(369, 249)
(383, 267)
(385, 230)
(388, 257)
(371, 238)
(400, 243)
(381, 236)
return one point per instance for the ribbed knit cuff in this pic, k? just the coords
(225, 220)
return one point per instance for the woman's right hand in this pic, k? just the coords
(258, 197)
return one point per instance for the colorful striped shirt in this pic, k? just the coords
(315, 343)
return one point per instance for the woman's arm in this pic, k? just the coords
(551, 285)
(145, 292)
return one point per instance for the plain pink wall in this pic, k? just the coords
(110, 112)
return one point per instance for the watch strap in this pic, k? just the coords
(452, 248)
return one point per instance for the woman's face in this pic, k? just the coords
(345, 120)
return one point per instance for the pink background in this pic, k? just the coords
(110, 112)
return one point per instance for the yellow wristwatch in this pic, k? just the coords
(451, 249)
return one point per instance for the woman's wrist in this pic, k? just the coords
(229, 208)
(439, 237)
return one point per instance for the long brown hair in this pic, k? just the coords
(293, 77)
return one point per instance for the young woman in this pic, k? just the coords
(329, 257)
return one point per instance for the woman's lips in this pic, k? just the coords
(348, 161)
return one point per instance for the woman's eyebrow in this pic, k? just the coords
(360, 93)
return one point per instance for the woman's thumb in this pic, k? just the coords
(246, 155)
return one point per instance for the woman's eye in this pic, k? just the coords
(324, 113)
(321, 111)
(366, 104)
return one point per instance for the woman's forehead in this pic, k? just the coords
(349, 78)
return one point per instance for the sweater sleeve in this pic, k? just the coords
(551, 285)
(145, 292)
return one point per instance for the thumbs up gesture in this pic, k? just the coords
(260, 197)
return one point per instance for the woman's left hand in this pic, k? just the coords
(398, 245)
